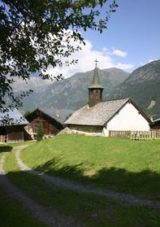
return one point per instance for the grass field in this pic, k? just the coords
(11, 211)
(122, 165)
(118, 164)
(91, 210)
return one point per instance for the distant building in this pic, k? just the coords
(98, 117)
(51, 126)
(12, 126)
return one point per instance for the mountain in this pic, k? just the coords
(143, 85)
(62, 97)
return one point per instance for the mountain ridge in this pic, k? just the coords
(63, 97)
(143, 86)
(69, 94)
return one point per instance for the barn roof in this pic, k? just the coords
(12, 117)
(39, 112)
(99, 114)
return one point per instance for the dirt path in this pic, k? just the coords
(60, 182)
(50, 218)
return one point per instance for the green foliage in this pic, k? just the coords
(26, 113)
(39, 132)
(39, 33)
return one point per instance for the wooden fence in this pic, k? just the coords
(136, 135)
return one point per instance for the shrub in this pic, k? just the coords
(39, 132)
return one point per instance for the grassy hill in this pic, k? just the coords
(121, 165)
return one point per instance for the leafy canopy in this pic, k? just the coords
(38, 33)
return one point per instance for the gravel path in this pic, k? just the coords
(63, 183)
(50, 218)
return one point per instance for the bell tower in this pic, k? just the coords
(95, 89)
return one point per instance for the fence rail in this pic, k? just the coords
(136, 135)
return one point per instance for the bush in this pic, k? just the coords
(40, 132)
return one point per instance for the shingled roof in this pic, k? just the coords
(39, 112)
(12, 117)
(99, 114)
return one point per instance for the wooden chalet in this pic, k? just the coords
(51, 126)
(12, 125)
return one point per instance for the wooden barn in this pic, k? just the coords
(100, 117)
(51, 126)
(12, 125)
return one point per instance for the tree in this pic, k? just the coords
(26, 113)
(39, 132)
(38, 33)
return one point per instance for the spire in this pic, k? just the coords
(96, 80)
(95, 89)
(96, 61)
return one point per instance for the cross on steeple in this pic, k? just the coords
(96, 62)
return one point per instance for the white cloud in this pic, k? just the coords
(150, 60)
(119, 53)
(86, 58)
(124, 66)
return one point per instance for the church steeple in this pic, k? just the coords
(95, 89)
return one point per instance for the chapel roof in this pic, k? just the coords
(99, 114)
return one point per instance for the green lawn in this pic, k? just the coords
(118, 164)
(13, 215)
(91, 210)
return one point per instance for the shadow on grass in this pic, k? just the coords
(5, 148)
(92, 210)
(145, 182)
(75, 170)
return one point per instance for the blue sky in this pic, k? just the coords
(131, 40)
(135, 29)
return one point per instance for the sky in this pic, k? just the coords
(131, 40)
